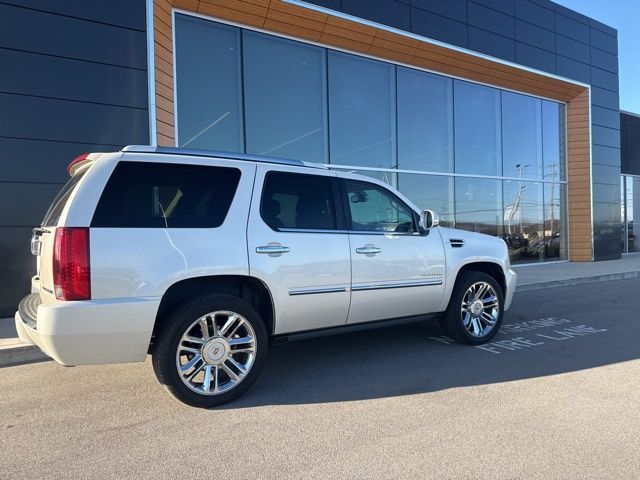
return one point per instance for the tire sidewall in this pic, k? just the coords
(180, 318)
(455, 326)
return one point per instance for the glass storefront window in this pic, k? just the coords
(479, 205)
(362, 111)
(553, 141)
(425, 121)
(524, 220)
(630, 205)
(241, 90)
(478, 139)
(521, 136)
(285, 98)
(209, 109)
(430, 192)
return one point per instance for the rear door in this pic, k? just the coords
(299, 248)
(397, 270)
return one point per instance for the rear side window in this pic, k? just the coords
(294, 200)
(52, 217)
(161, 195)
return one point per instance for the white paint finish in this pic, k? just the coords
(93, 332)
(315, 260)
(403, 259)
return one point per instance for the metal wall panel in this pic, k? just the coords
(630, 125)
(74, 81)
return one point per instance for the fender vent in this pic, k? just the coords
(456, 242)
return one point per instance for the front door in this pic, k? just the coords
(397, 270)
(299, 248)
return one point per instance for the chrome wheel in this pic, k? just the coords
(216, 352)
(480, 309)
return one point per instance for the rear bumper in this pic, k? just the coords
(512, 279)
(90, 332)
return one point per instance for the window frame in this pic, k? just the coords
(344, 196)
(338, 208)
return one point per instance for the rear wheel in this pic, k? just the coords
(211, 350)
(475, 309)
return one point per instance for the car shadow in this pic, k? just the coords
(592, 328)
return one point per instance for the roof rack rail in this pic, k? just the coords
(219, 154)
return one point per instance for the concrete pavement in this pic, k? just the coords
(556, 395)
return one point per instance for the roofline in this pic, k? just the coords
(218, 154)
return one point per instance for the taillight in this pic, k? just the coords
(71, 270)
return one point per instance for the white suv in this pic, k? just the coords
(202, 258)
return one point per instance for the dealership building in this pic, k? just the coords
(501, 115)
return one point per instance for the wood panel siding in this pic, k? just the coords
(298, 22)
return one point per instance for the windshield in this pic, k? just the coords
(52, 217)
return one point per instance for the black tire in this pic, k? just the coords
(174, 326)
(452, 321)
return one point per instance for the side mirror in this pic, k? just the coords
(430, 219)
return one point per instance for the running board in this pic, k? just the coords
(348, 328)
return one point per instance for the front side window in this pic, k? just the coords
(300, 201)
(162, 195)
(374, 209)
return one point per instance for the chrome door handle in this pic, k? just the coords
(368, 250)
(272, 249)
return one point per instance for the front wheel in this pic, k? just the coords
(475, 309)
(210, 350)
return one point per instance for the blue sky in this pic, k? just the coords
(624, 15)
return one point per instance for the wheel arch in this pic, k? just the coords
(491, 268)
(248, 288)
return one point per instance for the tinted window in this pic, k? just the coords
(293, 200)
(374, 209)
(52, 217)
(159, 195)
(522, 136)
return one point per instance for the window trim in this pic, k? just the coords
(347, 211)
(341, 226)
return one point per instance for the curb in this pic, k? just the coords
(16, 353)
(571, 282)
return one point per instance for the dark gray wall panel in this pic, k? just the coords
(504, 6)
(35, 31)
(607, 174)
(387, 12)
(453, 9)
(69, 79)
(535, 36)
(47, 119)
(604, 41)
(607, 137)
(605, 117)
(572, 49)
(33, 200)
(573, 69)
(603, 79)
(40, 160)
(604, 60)
(534, 13)
(123, 13)
(15, 285)
(535, 57)
(605, 98)
(603, 28)
(491, 20)
(572, 29)
(439, 28)
(492, 44)
(605, 155)
(572, 14)
(630, 140)
(15, 245)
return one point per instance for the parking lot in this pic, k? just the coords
(556, 395)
